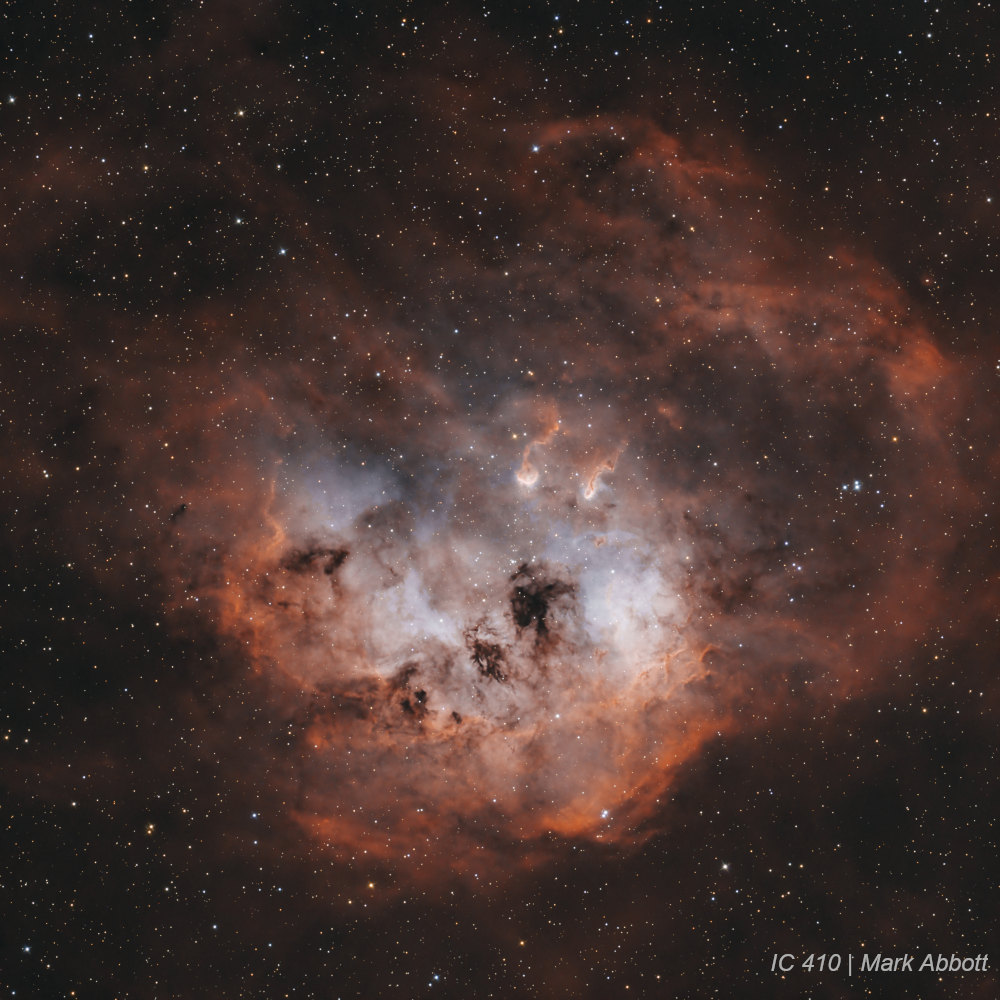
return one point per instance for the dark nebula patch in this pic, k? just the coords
(534, 597)
(329, 560)
(486, 655)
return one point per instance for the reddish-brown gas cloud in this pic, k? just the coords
(509, 568)
(573, 453)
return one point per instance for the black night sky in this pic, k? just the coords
(499, 501)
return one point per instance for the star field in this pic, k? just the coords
(499, 501)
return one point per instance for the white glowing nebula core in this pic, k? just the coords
(519, 664)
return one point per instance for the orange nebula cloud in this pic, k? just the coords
(465, 661)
